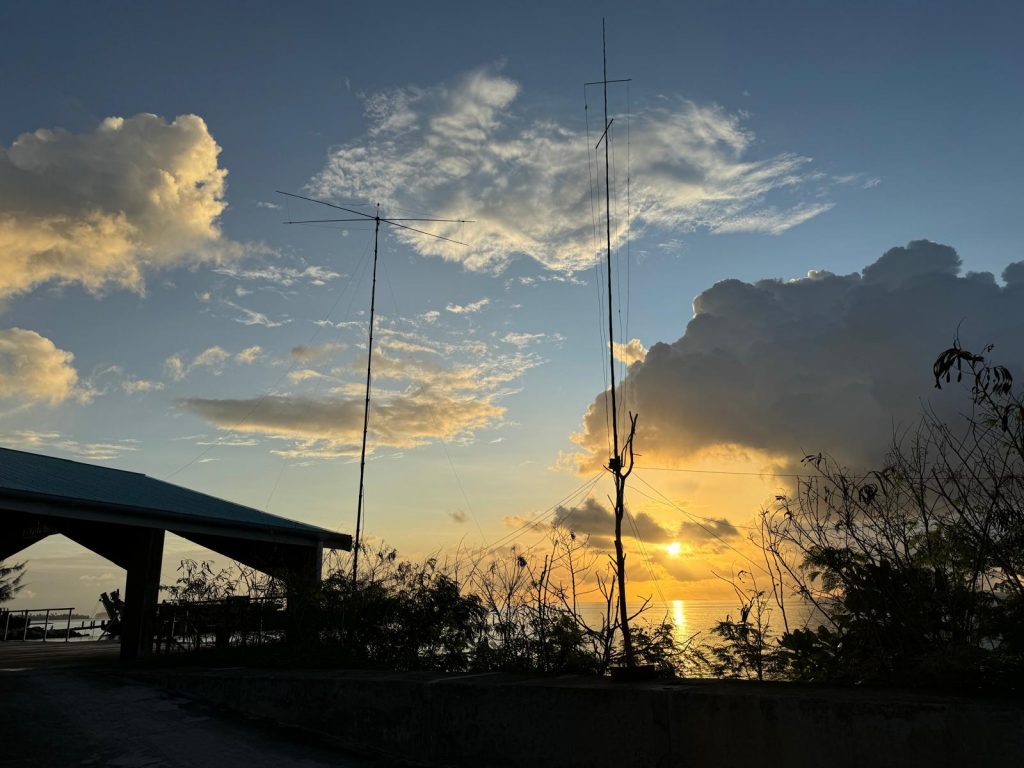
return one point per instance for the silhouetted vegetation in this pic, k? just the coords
(915, 573)
(512, 612)
(917, 569)
(11, 577)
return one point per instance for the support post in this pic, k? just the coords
(302, 583)
(142, 588)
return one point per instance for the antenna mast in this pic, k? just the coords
(617, 463)
(377, 221)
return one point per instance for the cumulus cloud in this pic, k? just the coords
(467, 149)
(822, 363)
(597, 521)
(34, 370)
(631, 352)
(100, 208)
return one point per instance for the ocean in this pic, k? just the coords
(699, 617)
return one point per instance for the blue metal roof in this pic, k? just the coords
(74, 482)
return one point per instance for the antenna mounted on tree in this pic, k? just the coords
(620, 463)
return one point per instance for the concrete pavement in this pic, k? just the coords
(66, 705)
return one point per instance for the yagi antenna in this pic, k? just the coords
(377, 219)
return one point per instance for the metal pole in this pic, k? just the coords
(24, 632)
(608, 232)
(46, 624)
(366, 407)
(67, 636)
(615, 465)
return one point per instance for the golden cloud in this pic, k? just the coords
(98, 209)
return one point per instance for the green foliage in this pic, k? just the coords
(11, 580)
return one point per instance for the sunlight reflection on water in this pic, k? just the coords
(699, 617)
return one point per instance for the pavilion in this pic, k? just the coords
(123, 516)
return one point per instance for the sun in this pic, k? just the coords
(674, 548)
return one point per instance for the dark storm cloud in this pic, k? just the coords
(824, 363)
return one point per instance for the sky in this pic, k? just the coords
(808, 198)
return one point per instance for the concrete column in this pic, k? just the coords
(302, 582)
(142, 588)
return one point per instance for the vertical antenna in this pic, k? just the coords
(377, 221)
(366, 405)
(617, 463)
(608, 232)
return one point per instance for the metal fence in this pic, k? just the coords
(44, 624)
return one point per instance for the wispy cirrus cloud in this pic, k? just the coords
(332, 426)
(467, 309)
(115, 377)
(248, 316)
(279, 275)
(425, 389)
(56, 441)
(469, 149)
(308, 353)
(213, 359)
(522, 340)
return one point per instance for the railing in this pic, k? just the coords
(18, 629)
(241, 620)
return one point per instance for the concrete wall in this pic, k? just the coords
(494, 720)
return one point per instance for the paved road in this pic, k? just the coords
(57, 709)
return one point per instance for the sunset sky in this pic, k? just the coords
(818, 193)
